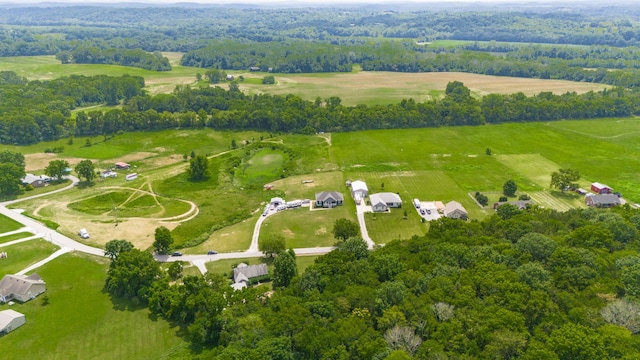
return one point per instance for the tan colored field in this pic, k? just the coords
(390, 87)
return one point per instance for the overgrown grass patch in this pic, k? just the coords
(236, 237)
(21, 255)
(81, 321)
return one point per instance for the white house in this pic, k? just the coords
(11, 320)
(455, 210)
(20, 287)
(385, 200)
(359, 190)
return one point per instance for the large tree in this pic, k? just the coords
(11, 171)
(344, 229)
(163, 240)
(56, 169)
(198, 167)
(509, 188)
(132, 274)
(86, 169)
(116, 247)
(564, 179)
(273, 244)
(284, 269)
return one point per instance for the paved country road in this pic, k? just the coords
(67, 244)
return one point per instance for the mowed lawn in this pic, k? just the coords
(7, 224)
(236, 237)
(303, 228)
(21, 255)
(12, 237)
(385, 227)
(81, 322)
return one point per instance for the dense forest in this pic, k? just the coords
(531, 284)
(36, 111)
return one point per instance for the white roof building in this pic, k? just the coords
(11, 320)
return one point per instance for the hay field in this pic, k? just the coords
(379, 87)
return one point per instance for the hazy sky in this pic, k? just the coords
(315, 2)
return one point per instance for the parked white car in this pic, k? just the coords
(83, 233)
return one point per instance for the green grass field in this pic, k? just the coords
(81, 321)
(21, 255)
(302, 228)
(7, 224)
(12, 237)
(385, 227)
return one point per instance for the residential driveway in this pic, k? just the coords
(361, 209)
(432, 214)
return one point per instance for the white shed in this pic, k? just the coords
(359, 189)
(11, 320)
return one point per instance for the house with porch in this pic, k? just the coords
(455, 210)
(21, 288)
(602, 201)
(329, 199)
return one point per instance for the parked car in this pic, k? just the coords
(177, 253)
(428, 211)
(83, 233)
(212, 252)
(421, 211)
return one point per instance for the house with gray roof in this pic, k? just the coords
(384, 200)
(329, 199)
(11, 320)
(455, 210)
(602, 201)
(35, 180)
(243, 273)
(21, 288)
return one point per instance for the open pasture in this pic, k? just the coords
(81, 321)
(46, 67)
(379, 87)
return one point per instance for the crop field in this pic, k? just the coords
(302, 228)
(21, 255)
(81, 321)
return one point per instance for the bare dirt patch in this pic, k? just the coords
(39, 161)
(137, 156)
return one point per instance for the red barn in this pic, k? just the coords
(600, 188)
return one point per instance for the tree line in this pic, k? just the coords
(40, 110)
(125, 57)
(530, 284)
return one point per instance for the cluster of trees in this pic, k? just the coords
(280, 57)
(528, 284)
(184, 28)
(125, 57)
(34, 111)
(12, 167)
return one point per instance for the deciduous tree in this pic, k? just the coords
(163, 240)
(57, 169)
(198, 167)
(131, 275)
(509, 188)
(115, 247)
(85, 169)
(564, 179)
(284, 269)
(272, 245)
(344, 229)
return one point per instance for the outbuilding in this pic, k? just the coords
(11, 320)
(359, 190)
(600, 189)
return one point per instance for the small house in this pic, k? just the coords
(359, 190)
(230, 78)
(392, 200)
(329, 199)
(602, 201)
(21, 288)
(455, 210)
(11, 320)
(243, 274)
(377, 204)
(122, 166)
(600, 188)
(35, 180)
